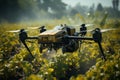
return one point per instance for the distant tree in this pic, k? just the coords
(99, 7)
(57, 6)
(80, 9)
(9, 10)
(13, 10)
(27, 8)
(91, 10)
(73, 12)
(103, 21)
(115, 4)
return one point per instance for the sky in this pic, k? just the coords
(104, 3)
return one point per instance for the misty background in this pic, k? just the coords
(25, 10)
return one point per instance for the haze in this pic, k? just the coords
(107, 3)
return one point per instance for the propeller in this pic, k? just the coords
(103, 30)
(87, 25)
(106, 30)
(29, 28)
(15, 31)
(33, 28)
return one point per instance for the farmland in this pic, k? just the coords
(86, 64)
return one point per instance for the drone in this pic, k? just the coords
(64, 37)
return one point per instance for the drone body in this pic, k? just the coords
(54, 38)
(66, 38)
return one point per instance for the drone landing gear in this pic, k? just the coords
(97, 37)
(27, 49)
(100, 46)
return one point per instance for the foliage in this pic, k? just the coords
(99, 7)
(15, 10)
(86, 64)
(108, 70)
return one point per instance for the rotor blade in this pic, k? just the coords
(105, 30)
(15, 31)
(33, 28)
(87, 25)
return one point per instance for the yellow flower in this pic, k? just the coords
(80, 77)
(50, 70)
(34, 77)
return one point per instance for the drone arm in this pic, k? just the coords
(83, 38)
(80, 38)
(32, 37)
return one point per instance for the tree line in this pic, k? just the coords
(12, 10)
(16, 10)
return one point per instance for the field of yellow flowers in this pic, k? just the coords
(17, 64)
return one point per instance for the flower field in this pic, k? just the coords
(86, 64)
